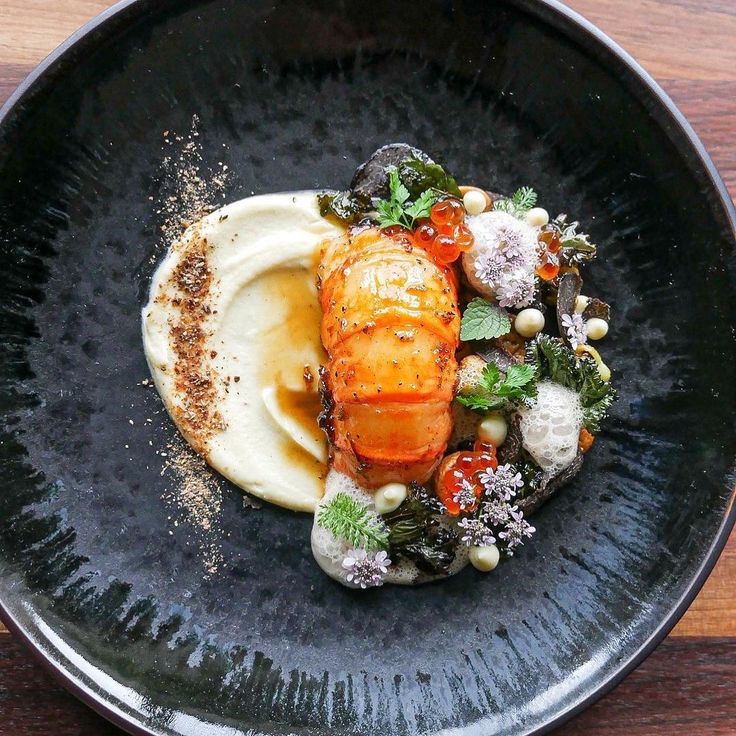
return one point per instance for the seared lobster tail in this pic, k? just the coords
(390, 327)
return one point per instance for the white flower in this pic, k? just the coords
(575, 328)
(477, 534)
(496, 512)
(364, 570)
(504, 257)
(465, 496)
(515, 531)
(503, 482)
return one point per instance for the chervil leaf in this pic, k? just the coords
(423, 205)
(496, 392)
(398, 210)
(483, 321)
(490, 377)
(519, 375)
(349, 520)
(399, 193)
(478, 402)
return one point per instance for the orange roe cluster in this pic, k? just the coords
(549, 259)
(462, 476)
(444, 235)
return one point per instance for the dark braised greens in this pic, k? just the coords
(417, 172)
(553, 359)
(416, 533)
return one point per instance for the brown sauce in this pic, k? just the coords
(291, 346)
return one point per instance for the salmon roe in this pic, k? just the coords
(444, 249)
(463, 237)
(549, 266)
(551, 239)
(461, 478)
(447, 212)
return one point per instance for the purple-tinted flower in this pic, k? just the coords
(515, 530)
(477, 534)
(465, 496)
(503, 482)
(575, 328)
(496, 512)
(365, 570)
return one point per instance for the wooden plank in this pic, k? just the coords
(686, 683)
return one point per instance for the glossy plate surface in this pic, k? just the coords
(168, 611)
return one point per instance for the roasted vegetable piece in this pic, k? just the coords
(390, 326)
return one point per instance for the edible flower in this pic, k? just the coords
(575, 328)
(366, 570)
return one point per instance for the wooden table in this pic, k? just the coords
(689, 683)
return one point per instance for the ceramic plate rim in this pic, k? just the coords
(54, 661)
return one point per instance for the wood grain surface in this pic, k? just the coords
(689, 683)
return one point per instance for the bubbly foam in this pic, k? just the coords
(551, 427)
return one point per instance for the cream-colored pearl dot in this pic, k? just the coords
(474, 202)
(581, 304)
(389, 497)
(493, 430)
(529, 322)
(537, 217)
(484, 559)
(596, 328)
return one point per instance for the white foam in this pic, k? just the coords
(550, 429)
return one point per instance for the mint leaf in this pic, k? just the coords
(483, 321)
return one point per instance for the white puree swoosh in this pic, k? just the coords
(259, 317)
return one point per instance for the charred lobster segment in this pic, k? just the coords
(390, 326)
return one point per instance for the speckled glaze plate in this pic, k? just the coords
(194, 613)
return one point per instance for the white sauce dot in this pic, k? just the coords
(529, 322)
(537, 217)
(474, 202)
(493, 430)
(389, 497)
(581, 304)
(484, 559)
(596, 328)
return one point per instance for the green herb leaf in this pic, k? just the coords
(349, 520)
(398, 210)
(519, 375)
(422, 207)
(519, 204)
(496, 391)
(483, 320)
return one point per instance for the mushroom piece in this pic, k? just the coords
(596, 308)
(371, 178)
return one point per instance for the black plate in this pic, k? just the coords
(109, 580)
